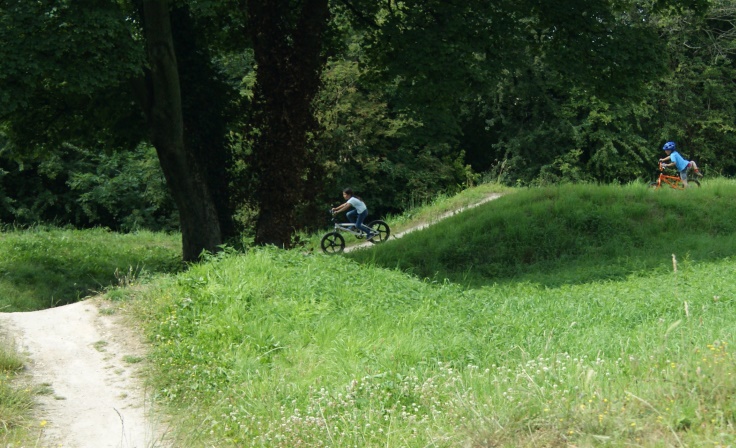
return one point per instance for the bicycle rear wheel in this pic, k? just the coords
(332, 243)
(382, 229)
(694, 181)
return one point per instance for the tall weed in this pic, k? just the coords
(16, 400)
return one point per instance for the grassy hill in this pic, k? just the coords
(568, 325)
(569, 234)
(549, 317)
(46, 267)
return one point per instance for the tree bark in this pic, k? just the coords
(200, 228)
(207, 109)
(287, 39)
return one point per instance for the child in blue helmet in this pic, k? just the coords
(358, 213)
(675, 159)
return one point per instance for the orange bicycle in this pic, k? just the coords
(668, 179)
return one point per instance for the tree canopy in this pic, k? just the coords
(260, 112)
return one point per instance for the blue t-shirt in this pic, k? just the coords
(679, 162)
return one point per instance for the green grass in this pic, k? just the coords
(16, 401)
(569, 234)
(419, 215)
(549, 317)
(41, 268)
(284, 349)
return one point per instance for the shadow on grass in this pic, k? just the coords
(43, 269)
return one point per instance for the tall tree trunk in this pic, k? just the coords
(198, 217)
(287, 39)
(207, 109)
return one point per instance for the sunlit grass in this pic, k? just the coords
(419, 215)
(286, 349)
(611, 342)
(568, 234)
(441, 205)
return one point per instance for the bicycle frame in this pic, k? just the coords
(348, 227)
(673, 181)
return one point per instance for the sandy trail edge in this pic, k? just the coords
(98, 399)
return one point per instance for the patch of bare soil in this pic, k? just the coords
(88, 360)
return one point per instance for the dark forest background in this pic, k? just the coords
(400, 101)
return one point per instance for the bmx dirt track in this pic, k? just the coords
(86, 356)
(86, 359)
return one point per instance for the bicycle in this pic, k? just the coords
(668, 179)
(334, 243)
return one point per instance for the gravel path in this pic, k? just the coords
(88, 360)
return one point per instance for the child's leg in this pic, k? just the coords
(694, 166)
(351, 215)
(359, 223)
(683, 177)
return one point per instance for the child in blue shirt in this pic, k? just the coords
(675, 159)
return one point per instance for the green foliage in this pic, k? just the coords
(120, 190)
(42, 37)
(124, 191)
(696, 105)
(546, 121)
(45, 268)
(568, 234)
(64, 64)
(417, 97)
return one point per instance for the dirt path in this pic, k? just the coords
(440, 217)
(87, 360)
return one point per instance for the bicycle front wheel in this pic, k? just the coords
(332, 243)
(382, 229)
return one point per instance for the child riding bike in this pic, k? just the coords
(358, 214)
(675, 159)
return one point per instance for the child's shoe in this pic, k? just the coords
(697, 173)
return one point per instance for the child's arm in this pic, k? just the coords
(666, 159)
(341, 207)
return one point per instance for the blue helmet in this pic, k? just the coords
(669, 146)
